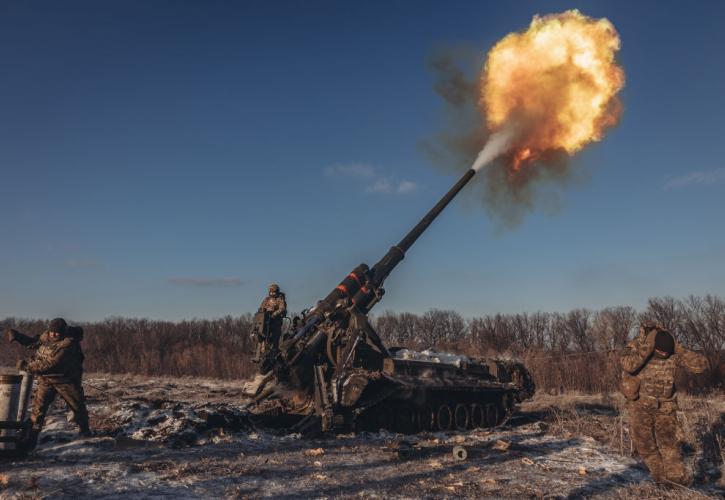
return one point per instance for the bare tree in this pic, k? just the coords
(491, 334)
(611, 327)
(665, 311)
(703, 327)
(539, 325)
(439, 327)
(557, 347)
(558, 335)
(400, 330)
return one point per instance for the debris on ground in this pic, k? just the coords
(501, 445)
(191, 438)
(315, 452)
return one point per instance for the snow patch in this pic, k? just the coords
(433, 357)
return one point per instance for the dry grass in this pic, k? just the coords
(575, 351)
(604, 418)
(651, 490)
(198, 348)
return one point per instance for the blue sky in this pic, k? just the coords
(169, 159)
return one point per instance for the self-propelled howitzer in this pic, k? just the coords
(335, 373)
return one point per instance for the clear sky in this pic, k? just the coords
(169, 159)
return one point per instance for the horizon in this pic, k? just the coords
(375, 314)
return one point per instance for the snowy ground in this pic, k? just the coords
(190, 438)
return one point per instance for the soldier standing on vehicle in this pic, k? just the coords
(648, 381)
(275, 305)
(57, 361)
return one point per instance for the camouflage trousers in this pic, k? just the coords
(72, 394)
(275, 331)
(654, 429)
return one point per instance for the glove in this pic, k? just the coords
(648, 346)
(22, 365)
(11, 334)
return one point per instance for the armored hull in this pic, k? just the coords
(408, 392)
(417, 395)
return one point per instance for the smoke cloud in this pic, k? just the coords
(497, 143)
(465, 138)
(541, 96)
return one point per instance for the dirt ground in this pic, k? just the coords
(190, 438)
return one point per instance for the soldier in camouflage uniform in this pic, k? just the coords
(274, 304)
(648, 381)
(58, 363)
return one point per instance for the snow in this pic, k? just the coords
(433, 357)
(191, 439)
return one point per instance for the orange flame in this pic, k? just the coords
(557, 82)
(520, 156)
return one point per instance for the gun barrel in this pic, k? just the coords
(364, 285)
(385, 266)
(414, 233)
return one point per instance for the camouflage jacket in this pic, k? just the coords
(655, 377)
(59, 361)
(275, 306)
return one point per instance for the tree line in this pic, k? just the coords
(576, 350)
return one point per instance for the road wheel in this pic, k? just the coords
(491, 415)
(461, 417)
(477, 417)
(444, 417)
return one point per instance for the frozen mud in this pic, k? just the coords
(192, 438)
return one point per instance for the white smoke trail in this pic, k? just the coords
(497, 144)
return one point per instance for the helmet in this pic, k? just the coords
(57, 325)
(273, 289)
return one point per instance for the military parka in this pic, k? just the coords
(654, 376)
(59, 361)
(275, 306)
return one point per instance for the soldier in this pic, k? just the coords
(276, 306)
(648, 381)
(58, 363)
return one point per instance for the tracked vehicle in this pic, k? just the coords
(333, 372)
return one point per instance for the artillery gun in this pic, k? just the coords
(334, 373)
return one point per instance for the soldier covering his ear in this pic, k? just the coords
(649, 363)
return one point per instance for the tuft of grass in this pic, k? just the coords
(604, 417)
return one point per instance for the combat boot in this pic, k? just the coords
(31, 440)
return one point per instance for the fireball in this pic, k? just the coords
(557, 83)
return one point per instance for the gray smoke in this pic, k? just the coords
(496, 145)
(465, 141)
